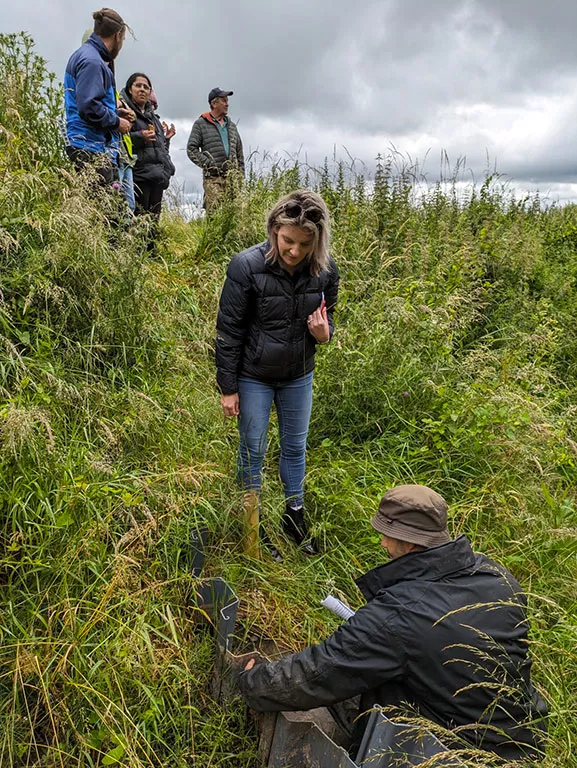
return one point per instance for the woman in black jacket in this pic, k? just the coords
(154, 167)
(276, 305)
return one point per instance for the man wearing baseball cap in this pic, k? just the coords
(215, 146)
(443, 633)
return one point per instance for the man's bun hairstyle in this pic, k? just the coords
(107, 22)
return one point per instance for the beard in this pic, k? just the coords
(115, 50)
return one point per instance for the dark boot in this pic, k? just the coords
(273, 551)
(293, 523)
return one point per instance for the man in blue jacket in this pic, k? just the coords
(93, 123)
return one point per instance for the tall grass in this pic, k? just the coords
(454, 364)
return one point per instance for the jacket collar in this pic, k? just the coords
(429, 565)
(96, 41)
(209, 118)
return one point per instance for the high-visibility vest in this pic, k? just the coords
(126, 136)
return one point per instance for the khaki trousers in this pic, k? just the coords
(214, 189)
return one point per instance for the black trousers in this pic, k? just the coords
(148, 198)
(149, 202)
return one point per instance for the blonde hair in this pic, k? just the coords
(318, 258)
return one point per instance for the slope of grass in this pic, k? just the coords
(454, 365)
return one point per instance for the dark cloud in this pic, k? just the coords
(314, 77)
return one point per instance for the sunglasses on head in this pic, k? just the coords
(296, 210)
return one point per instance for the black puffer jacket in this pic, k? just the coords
(153, 164)
(444, 630)
(205, 147)
(262, 319)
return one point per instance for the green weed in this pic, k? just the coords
(454, 364)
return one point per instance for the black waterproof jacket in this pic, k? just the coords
(445, 631)
(262, 319)
(153, 164)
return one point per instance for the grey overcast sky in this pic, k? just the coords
(491, 81)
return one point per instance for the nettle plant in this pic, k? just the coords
(31, 107)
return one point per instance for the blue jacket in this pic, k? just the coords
(90, 99)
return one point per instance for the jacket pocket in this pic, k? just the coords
(259, 348)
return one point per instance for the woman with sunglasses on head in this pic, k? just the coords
(276, 305)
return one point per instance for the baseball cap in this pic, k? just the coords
(217, 92)
(413, 513)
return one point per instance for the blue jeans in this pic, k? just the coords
(126, 179)
(293, 403)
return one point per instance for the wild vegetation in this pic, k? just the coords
(454, 365)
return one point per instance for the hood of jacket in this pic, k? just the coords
(210, 119)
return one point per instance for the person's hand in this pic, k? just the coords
(149, 135)
(170, 131)
(230, 404)
(126, 113)
(124, 125)
(238, 665)
(318, 324)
